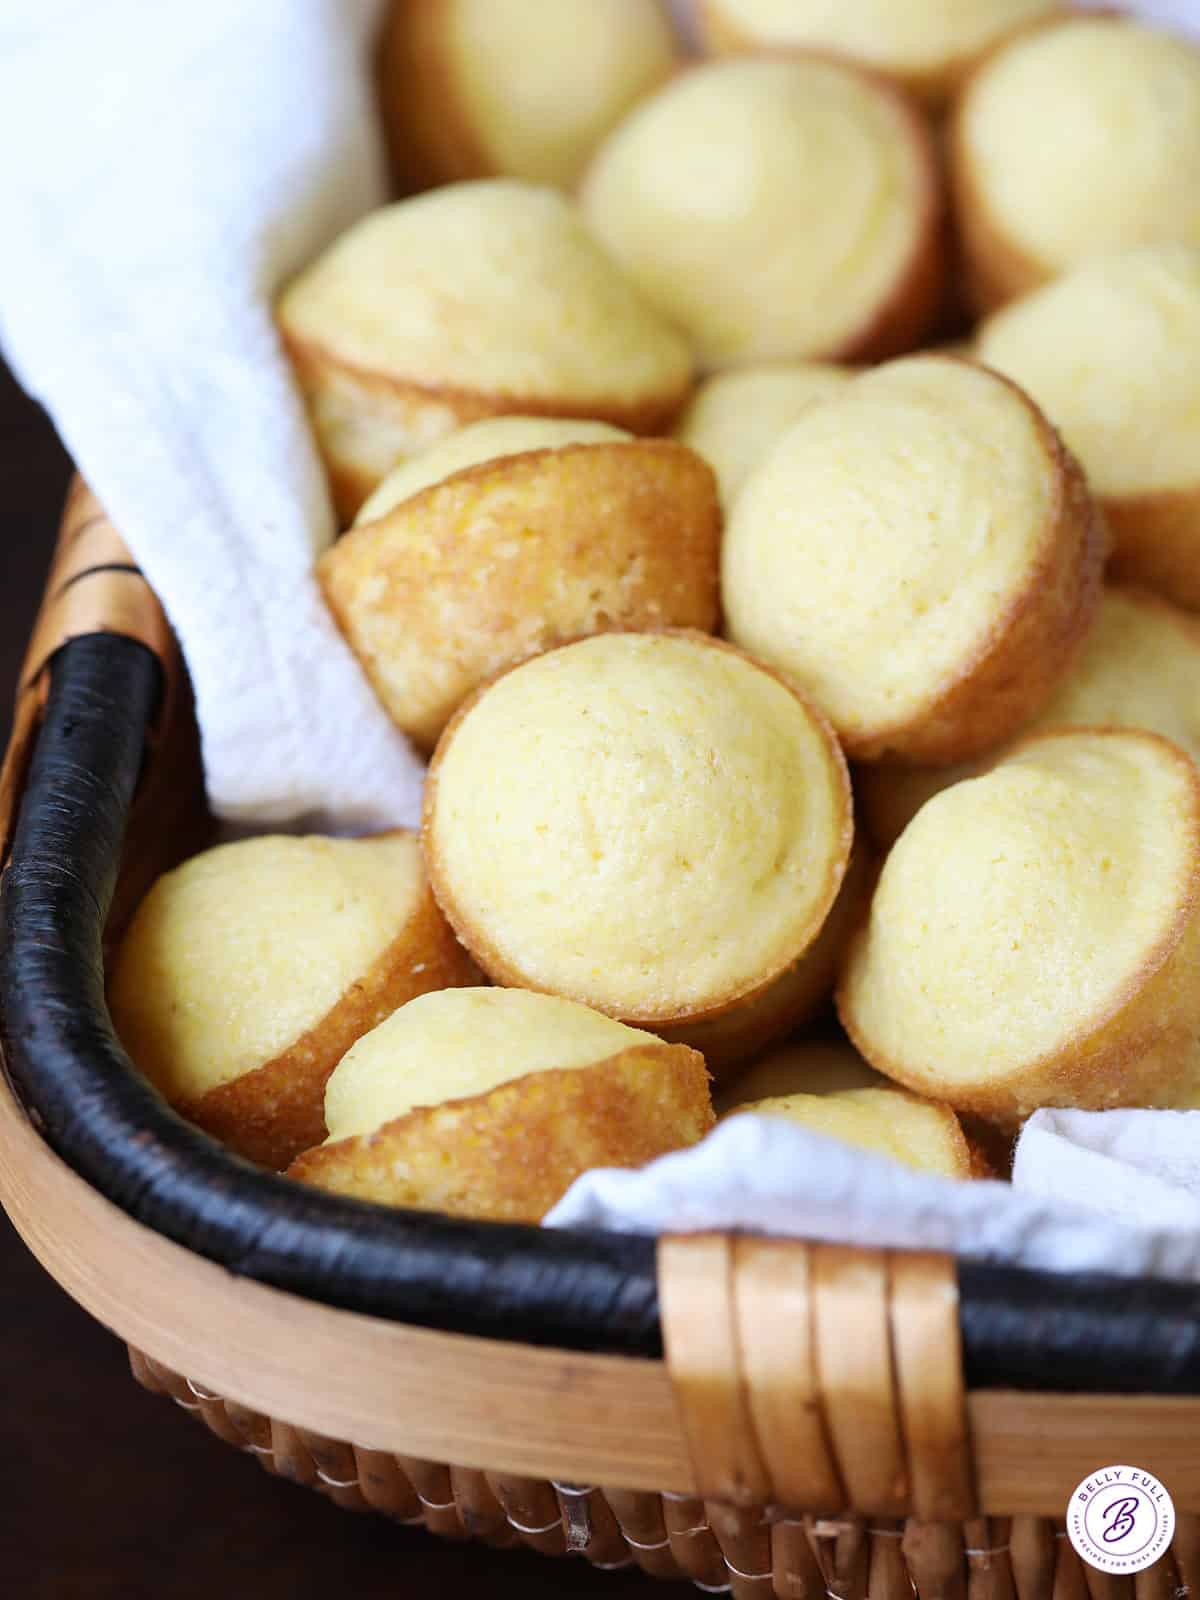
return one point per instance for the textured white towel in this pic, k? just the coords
(164, 169)
(1113, 1191)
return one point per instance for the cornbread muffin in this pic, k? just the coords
(652, 824)
(1075, 140)
(929, 46)
(1034, 939)
(473, 88)
(249, 971)
(734, 418)
(805, 1066)
(1111, 353)
(921, 555)
(1139, 668)
(728, 1040)
(775, 210)
(478, 300)
(515, 534)
(491, 1102)
(828, 1088)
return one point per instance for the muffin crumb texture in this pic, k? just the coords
(770, 494)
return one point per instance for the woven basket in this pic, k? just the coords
(824, 1420)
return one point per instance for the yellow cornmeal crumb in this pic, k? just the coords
(735, 417)
(558, 530)
(1139, 668)
(830, 1089)
(461, 1042)
(915, 37)
(1051, 881)
(1085, 137)
(887, 1121)
(767, 208)
(241, 950)
(870, 555)
(495, 287)
(648, 823)
(814, 1066)
(541, 84)
(480, 441)
(1111, 353)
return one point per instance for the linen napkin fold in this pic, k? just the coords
(165, 169)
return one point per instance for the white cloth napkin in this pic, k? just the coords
(1112, 1191)
(165, 168)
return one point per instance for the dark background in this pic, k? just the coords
(107, 1492)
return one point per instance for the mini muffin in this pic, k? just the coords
(476, 88)
(921, 555)
(478, 300)
(828, 1088)
(926, 45)
(734, 418)
(1111, 353)
(652, 824)
(806, 1066)
(1074, 140)
(775, 210)
(248, 972)
(1139, 668)
(800, 993)
(491, 1102)
(1034, 939)
(515, 534)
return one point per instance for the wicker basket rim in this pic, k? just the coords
(576, 1289)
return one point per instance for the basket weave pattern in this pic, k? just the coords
(798, 1376)
(720, 1548)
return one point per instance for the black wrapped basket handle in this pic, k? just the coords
(85, 723)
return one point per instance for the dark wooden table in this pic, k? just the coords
(106, 1492)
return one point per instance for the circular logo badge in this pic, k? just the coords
(1120, 1519)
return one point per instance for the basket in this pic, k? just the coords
(760, 1416)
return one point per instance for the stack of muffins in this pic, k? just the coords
(689, 512)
